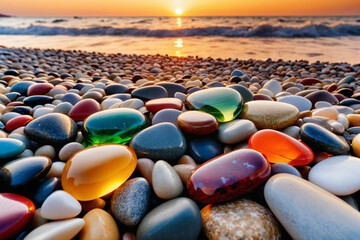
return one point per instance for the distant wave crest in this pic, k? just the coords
(262, 30)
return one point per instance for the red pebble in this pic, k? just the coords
(197, 122)
(83, 109)
(228, 176)
(39, 89)
(310, 81)
(17, 122)
(158, 104)
(16, 212)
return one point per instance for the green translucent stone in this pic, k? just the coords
(117, 125)
(223, 103)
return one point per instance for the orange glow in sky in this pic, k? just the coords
(169, 7)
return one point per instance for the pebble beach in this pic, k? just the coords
(123, 146)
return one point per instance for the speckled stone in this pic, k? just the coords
(177, 219)
(239, 219)
(130, 201)
(269, 114)
(309, 212)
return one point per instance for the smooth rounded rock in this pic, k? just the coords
(228, 176)
(102, 169)
(161, 141)
(69, 150)
(235, 131)
(55, 129)
(301, 103)
(113, 126)
(166, 115)
(83, 109)
(322, 139)
(197, 122)
(176, 219)
(16, 212)
(204, 148)
(338, 175)
(308, 212)
(166, 182)
(285, 150)
(149, 92)
(239, 219)
(223, 103)
(10, 147)
(17, 122)
(158, 104)
(57, 230)
(273, 86)
(60, 205)
(269, 114)
(284, 168)
(99, 225)
(45, 188)
(130, 201)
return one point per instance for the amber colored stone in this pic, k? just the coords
(97, 171)
(197, 122)
(16, 212)
(90, 205)
(158, 104)
(83, 109)
(310, 81)
(39, 89)
(354, 119)
(356, 145)
(17, 122)
(99, 225)
(228, 176)
(279, 147)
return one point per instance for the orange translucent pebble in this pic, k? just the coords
(97, 171)
(281, 148)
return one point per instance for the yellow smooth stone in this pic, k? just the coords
(354, 119)
(327, 112)
(97, 171)
(356, 145)
(99, 225)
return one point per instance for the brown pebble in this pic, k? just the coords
(186, 159)
(89, 205)
(69, 149)
(145, 167)
(184, 171)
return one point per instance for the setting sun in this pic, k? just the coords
(179, 11)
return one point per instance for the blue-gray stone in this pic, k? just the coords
(166, 115)
(177, 219)
(10, 147)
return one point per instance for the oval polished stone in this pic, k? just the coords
(21, 87)
(53, 129)
(269, 114)
(70, 97)
(322, 139)
(355, 145)
(57, 230)
(309, 212)
(197, 122)
(239, 219)
(228, 176)
(83, 109)
(172, 88)
(99, 225)
(322, 95)
(161, 141)
(223, 103)
(113, 126)
(22, 172)
(303, 104)
(166, 115)
(17, 122)
(285, 150)
(156, 105)
(176, 219)
(204, 148)
(102, 169)
(45, 189)
(32, 101)
(16, 212)
(338, 175)
(115, 88)
(10, 147)
(131, 201)
(149, 92)
(235, 131)
(39, 89)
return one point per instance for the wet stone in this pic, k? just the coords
(166, 115)
(197, 122)
(83, 109)
(10, 148)
(32, 101)
(202, 149)
(156, 105)
(149, 92)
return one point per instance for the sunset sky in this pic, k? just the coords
(168, 7)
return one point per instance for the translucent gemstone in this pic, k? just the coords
(228, 176)
(97, 171)
(223, 103)
(279, 147)
(117, 125)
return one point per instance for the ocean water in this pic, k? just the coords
(324, 38)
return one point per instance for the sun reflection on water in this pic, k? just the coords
(179, 22)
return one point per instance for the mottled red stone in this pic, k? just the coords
(83, 109)
(228, 176)
(279, 147)
(39, 89)
(197, 122)
(16, 212)
(310, 81)
(17, 122)
(156, 105)
(332, 87)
